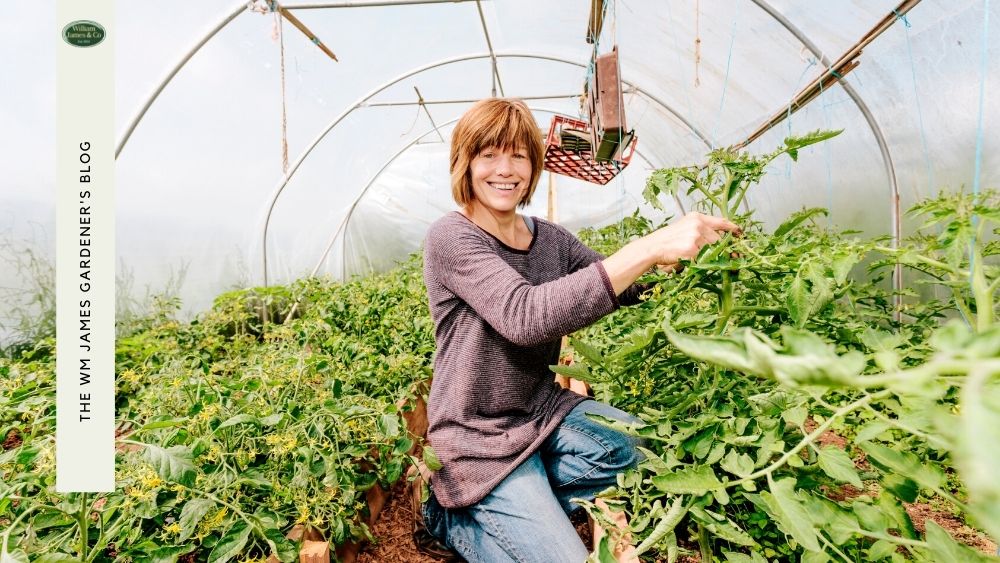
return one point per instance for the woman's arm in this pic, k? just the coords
(525, 314)
(666, 247)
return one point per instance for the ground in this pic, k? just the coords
(394, 529)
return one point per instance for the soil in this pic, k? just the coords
(12, 440)
(393, 531)
(921, 512)
(394, 527)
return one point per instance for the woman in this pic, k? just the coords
(503, 289)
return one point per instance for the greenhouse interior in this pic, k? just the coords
(822, 385)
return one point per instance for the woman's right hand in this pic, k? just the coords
(683, 239)
(665, 247)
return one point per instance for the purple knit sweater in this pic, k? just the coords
(499, 314)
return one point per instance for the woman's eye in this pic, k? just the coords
(486, 155)
(520, 155)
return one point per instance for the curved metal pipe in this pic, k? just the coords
(360, 103)
(883, 146)
(371, 182)
(241, 6)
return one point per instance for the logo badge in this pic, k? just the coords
(83, 33)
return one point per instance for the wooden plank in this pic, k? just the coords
(312, 36)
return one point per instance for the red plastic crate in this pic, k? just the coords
(580, 163)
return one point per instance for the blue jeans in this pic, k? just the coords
(526, 517)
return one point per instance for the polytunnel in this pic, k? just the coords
(215, 102)
(264, 143)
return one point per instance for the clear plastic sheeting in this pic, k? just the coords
(203, 167)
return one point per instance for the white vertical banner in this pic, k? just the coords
(85, 246)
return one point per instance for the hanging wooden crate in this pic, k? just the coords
(569, 151)
(606, 105)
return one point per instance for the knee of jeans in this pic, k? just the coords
(624, 453)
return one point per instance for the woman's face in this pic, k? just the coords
(500, 178)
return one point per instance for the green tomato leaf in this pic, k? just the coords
(814, 557)
(796, 219)
(590, 353)
(975, 459)
(281, 547)
(725, 530)
(945, 548)
(16, 556)
(169, 553)
(576, 371)
(192, 513)
(871, 430)
(734, 557)
(838, 465)
(431, 459)
(238, 419)
(604, 553)
(790, 514)
(697, 480)
(275, 418)
(728, 352)
(172, 464)
(163, 424)
(738, 464)
(904, 464)
(56, 558)
(796, 415)
(881, 550)
(904, 488)
(810, 138)
(797, 301)
(231, 544)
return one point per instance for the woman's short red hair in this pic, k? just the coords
(501, 123)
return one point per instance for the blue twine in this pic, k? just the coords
(788, 114)
(829, 158)
(680, 63)
(982, 96)
(920, 113)
(902, 17)
(725, 83)
(979, 128)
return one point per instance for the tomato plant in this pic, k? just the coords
(744, 364)
(232, 428)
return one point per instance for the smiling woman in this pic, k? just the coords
(503, 289)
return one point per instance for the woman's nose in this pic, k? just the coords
(503, 166)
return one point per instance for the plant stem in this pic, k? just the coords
(706, 548)
(981, 293)
(726, 302)
(938, 442)
(891, 539)
(708, 195)
(758, 310)
(812, 437)
(833, 547)
(82, 522)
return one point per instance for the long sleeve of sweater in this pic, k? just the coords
(525, 314)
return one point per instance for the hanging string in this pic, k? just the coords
(680, 61)
(621, 120)
(982, 96)
(284, 114)
(828, 157)
(697, 43)
(979, 128)
(788, 111)
(920, 113)
(725, 82)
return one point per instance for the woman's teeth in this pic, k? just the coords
(504, 187)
